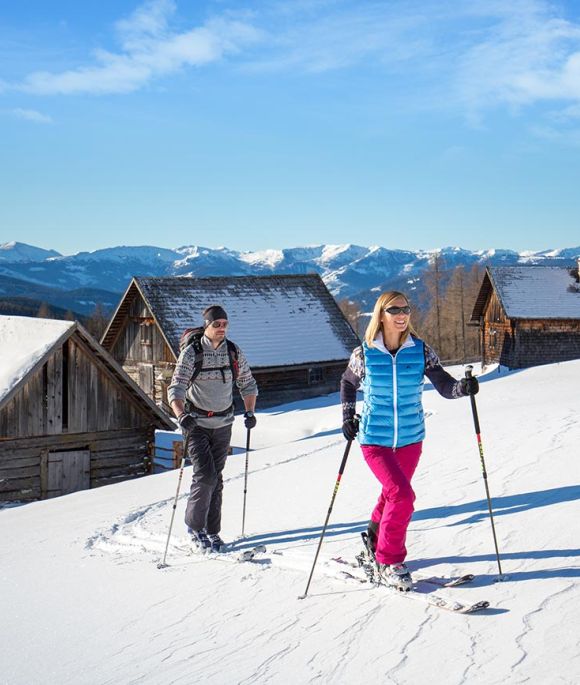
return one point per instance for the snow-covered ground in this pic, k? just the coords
(84, 602)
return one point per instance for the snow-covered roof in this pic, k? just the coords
(23, 343)
(532, 292)
(276, 320)
(26, 343)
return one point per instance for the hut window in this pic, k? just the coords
(492, 339)
(315, 375)
(146, 334)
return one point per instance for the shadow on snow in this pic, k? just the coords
(511, 504)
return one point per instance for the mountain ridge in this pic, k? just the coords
(350, 271)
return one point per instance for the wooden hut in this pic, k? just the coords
(290, 328)
(528, 315)
(70, 418)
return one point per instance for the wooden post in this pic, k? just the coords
(177, 453)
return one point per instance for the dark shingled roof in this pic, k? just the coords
(276, 320)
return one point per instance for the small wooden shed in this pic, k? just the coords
(70, 417)
(528, 315)
(290, 328)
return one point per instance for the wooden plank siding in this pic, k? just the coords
(135, 346)
(111, 456)
(497, 332)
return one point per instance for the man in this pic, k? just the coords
(204, 409)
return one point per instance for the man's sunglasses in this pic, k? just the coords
(398, 310)
(219, 324)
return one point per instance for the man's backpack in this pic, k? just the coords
(192, 337)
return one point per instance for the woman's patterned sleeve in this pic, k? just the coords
(442, 381)
(350, 383)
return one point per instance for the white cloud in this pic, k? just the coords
(525, 56)
(467, 56)
(149, 50)
(32, 115)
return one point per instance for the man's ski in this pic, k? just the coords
(228, 553)
(250, 554)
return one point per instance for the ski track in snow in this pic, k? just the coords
(131, 532)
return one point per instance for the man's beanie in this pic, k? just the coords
(213, 313)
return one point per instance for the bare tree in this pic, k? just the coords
(97, 322)
(450, 297)
(352, 312)
(44, 312)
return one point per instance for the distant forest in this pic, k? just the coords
(442, 312)
(96, 323)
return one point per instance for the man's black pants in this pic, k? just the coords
(208, 449)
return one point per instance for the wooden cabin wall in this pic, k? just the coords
(114, 456)
(497, 334)
(134, 345)
(96, 401)
(545, 342)
(92, 399)
(293, 384)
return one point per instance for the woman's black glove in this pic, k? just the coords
(350, 427)
(250, 420)
(187, 422)
(470, 386)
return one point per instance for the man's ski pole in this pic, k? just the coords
(336, 485)
(246, 482)
(162, 564)
(468, 373)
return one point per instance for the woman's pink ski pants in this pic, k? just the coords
(394, 469)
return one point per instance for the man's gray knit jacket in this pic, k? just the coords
(211, 390)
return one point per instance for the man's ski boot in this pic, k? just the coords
(396, 575)
(216, 543)
(200, 540)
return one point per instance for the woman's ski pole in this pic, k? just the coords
(340, 472)
(468, 373)
(162, 564)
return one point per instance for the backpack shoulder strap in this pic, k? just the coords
(233, 355)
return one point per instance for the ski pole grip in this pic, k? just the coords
(468, 374)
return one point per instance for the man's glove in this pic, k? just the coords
(250, 420)
(470, 386)
(350, 427)
(186, 421)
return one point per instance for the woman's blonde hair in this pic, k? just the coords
(375, 325)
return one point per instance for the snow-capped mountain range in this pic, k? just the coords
(350, 271)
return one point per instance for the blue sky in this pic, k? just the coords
(272, 124)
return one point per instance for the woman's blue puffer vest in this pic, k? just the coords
(392, 412)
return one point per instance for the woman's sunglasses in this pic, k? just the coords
(219, 324)
(398, 310)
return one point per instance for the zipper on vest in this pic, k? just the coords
(395, 409)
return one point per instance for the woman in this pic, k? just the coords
(390, 366)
